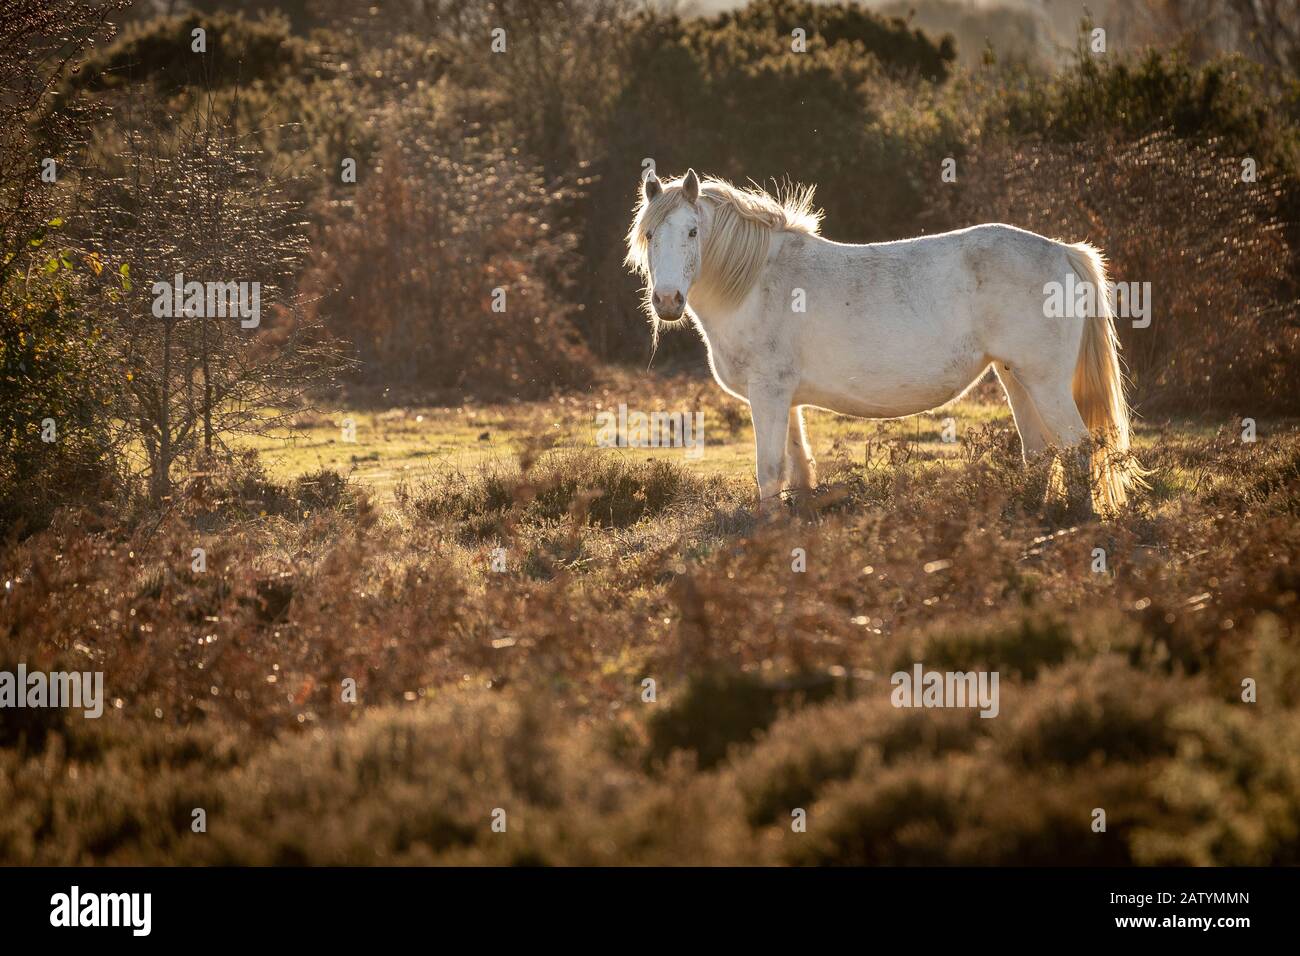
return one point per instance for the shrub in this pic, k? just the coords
(57, 382)
(1228, 98)
(58, 443)
(486, 689)
(409, 276)
(890, 40)
(605, 490)
(160, 52)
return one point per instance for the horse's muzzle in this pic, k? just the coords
(669, 305)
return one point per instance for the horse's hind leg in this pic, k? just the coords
(800, 470)
(1065, 430)
(1033, 433)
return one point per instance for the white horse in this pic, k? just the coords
(886, 329)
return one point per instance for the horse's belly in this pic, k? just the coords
(891, 389)
(867, 405)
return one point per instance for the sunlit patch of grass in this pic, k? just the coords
(386, 447)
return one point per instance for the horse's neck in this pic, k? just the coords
(716, 319)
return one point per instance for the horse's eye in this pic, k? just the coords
(648, 235)
(693, 232)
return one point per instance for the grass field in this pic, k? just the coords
(388, 446)
(460, 634)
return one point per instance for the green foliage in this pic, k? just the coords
(57, 386)
(866, 113)
(694, 89)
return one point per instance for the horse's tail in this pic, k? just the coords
(1098, 387)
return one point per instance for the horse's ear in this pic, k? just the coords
(651, 186)
(691, 184)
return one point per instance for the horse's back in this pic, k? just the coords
(898, 327)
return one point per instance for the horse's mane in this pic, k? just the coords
(736, 244)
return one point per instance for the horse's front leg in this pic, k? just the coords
(769, 406)
(800, 469)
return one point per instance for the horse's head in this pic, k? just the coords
(664, 243)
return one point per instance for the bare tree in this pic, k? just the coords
(194, 206)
